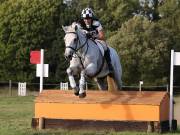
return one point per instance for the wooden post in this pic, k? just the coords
(157, 127)
(10, 88)
(41, 123)
(111, 84)
(150, 127)
(167, 88)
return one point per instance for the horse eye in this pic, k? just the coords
(75, 39)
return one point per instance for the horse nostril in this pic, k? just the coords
(68, 57)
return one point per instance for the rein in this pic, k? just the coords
(76, 49)
(80, 57)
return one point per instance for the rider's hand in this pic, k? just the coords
(94, 36)
(89, 35)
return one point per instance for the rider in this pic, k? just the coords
(94, 30)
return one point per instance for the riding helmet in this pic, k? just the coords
(87, 13)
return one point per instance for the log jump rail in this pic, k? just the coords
(118, 110)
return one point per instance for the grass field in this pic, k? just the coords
(15, 119)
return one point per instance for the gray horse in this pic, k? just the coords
(86, 60)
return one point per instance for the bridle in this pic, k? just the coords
(75, 49)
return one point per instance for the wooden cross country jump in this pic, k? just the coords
(120, 110)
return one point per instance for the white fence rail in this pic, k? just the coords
(12, 88)
(22, 89)
(64, 86)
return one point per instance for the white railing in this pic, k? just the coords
(64, 86)
(22, 89)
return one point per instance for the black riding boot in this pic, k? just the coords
(108, 60)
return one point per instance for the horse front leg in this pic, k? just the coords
(72, 81)
(82, 82)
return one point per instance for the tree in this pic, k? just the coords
(30, 25)
(144, 48)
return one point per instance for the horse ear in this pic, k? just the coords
(64, 28)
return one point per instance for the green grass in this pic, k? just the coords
(16, 114)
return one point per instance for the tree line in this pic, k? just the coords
(143, 45)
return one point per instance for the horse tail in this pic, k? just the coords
(115, 59)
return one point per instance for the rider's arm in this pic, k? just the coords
(100, 35)
(99, 28)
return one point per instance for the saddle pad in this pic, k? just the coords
(100, 45)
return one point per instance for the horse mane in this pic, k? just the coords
(74, 28)
(80, 29)
(70, 28)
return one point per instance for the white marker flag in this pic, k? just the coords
(39, 70)
(175, 60)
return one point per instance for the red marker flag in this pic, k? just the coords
(35, 57)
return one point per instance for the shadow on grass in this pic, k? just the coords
(103, 132)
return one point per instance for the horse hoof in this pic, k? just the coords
(82, 95)
(76, 93)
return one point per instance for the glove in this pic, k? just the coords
(94, 36)
(89, 35)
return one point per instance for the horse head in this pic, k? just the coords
(72, 39)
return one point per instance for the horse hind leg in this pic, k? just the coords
(102, 83)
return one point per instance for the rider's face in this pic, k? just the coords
(88, 21)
